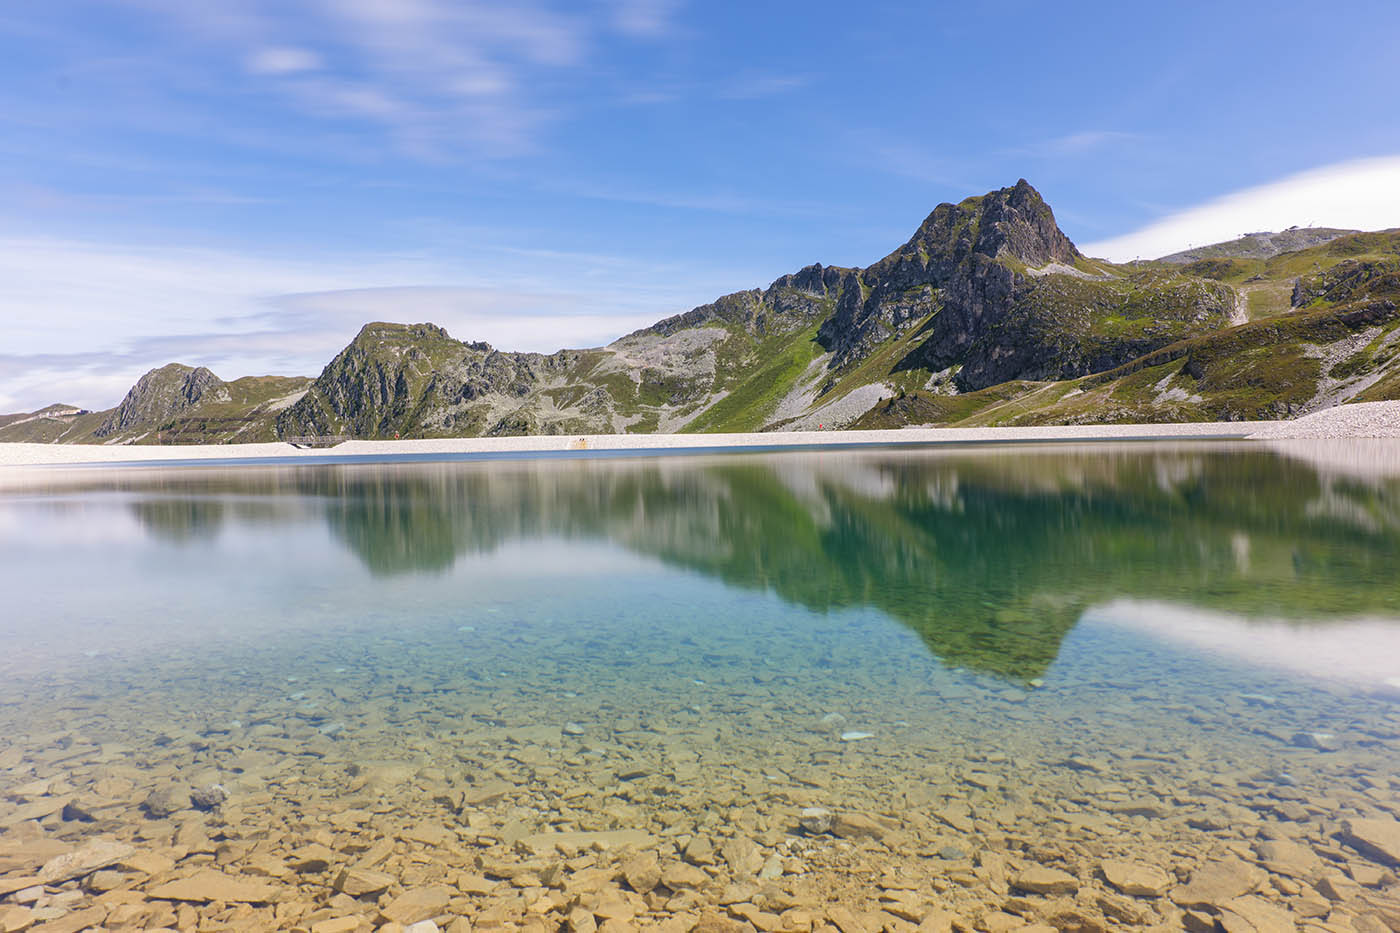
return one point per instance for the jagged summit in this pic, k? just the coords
(1010, 223)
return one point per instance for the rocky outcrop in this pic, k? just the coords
(1348, 280)
(962, 262)
(402, 378)
(160, 395)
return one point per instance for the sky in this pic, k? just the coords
(243, 184)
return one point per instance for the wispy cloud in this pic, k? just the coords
(439, 75)
(282, 60)
(645, 18)
(759, 86)
(912, 162)
(1074, 144)
(1362, 194)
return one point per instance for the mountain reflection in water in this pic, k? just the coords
(991, 556)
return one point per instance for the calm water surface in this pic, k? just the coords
(985, 662)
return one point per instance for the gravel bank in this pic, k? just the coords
(1370, 420)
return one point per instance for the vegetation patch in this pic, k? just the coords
(751, 402)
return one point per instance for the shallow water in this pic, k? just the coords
(980, 661)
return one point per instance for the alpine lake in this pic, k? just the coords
(1035, 687)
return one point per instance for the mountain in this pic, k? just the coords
(175, 404)
(988, 314)
(1321, 328)
(1261, 245)
(984, 291)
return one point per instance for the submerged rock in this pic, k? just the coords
(1136, 878)
(163, 801)
(1320, 741)
(208, 798)
(210, 885)
(1217, 882)
(1377, 839)
(417, 904)
(1253, 914)
(643, 872)
(362, 882)
(1040, 879)
(816, 820)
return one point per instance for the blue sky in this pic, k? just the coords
(243, 184)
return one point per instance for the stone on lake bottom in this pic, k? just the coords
(163, 801)
(210, 885)
(609, 839)
(417, 904)
(311, 858)
(643, 872)
(1252, 914)
(363, 882)
(1040, 879)
(1217, 882)
(1136, 878)
(816, 820)
(1318, 741)
(678, 876)
(208, 798)
(858, 826)
(1285, 857)
(99, 853)
(337, 925)
(1377, 839)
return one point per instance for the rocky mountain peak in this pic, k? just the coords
(1009, 223)
(160, 394)
(380, 331)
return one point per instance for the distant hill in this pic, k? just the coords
(988, 314)
(175, 404)
(1261, 245)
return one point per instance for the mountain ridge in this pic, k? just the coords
(987, 310)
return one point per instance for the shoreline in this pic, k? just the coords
(1360, 421)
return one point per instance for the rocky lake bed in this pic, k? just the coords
(565, 735)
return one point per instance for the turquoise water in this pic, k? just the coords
(1001, 657)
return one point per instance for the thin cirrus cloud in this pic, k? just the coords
(1074, 144)
(1363, 194)
(282, 60)
(440, 76)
